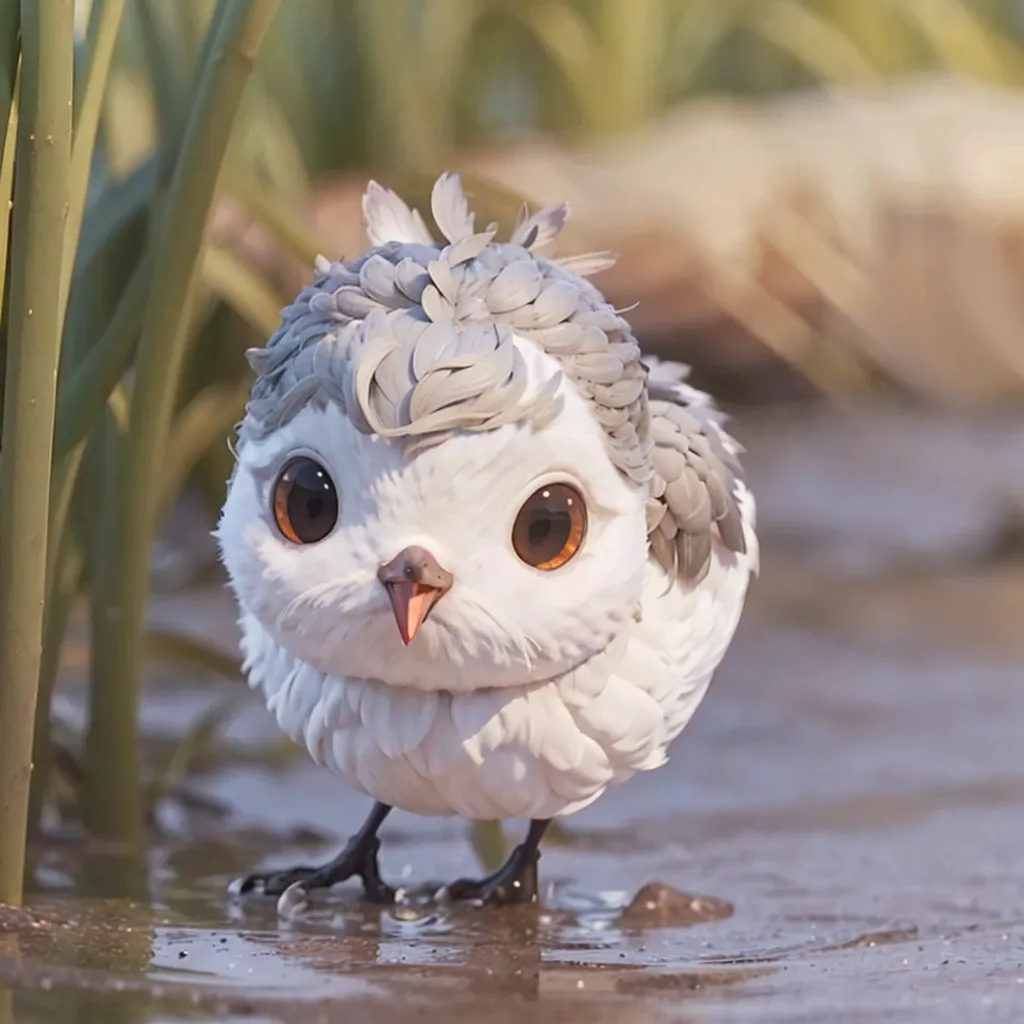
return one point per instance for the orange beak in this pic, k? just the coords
(411, 603)
(415, 582)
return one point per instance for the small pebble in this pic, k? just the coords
(659, 905)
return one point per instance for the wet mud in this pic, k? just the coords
(838, 834)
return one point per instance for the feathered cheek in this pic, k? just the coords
(470, 627)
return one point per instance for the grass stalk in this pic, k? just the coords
(106, 726)
(164, 59)
(113, 806)
(81, 398)
(85, 392)
(6, 187)
(66, 578)
(207, 419)
(40, 206)
(106, 18)
(10, 18)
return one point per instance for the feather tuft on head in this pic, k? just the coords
(416, 340)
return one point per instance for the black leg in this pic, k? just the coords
(515, 881)
(359, 858)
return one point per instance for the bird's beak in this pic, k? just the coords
(415, 582)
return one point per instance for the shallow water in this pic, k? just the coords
(847, 803)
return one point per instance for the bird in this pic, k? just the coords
(487, 555)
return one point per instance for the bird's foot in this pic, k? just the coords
(514, 882)
(358, 859)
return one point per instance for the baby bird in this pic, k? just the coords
(487, 557)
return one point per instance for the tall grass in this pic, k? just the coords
(401, 83)
(120, 365)
(137, 447)
(42, 161)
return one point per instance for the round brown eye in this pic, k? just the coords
(550, 526)
(305, 501)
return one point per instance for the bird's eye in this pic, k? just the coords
(550, 526)
(305, 502)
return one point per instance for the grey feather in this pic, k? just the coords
(557, 302)
(355, 303)
(440, 272)
(435, 305)
(515, 287)
(696, 476)
(415, 340)
(411, 279)
(469, 248)
(377, 279)
(538, 232)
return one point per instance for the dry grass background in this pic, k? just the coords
(860, 235)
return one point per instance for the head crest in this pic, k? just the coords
(417, 339)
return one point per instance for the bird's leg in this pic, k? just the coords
(359, 858)
(515, 881)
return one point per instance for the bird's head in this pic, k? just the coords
(442, 473)
(492, 558)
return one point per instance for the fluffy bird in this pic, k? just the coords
(487, 556)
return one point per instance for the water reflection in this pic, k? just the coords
(844, 808)
(9, 951)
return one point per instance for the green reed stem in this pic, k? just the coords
(6, 186)
(89, 384)
(10, 18)
(106, 725)
(207, 419)
(82, 394)
(40, 206)
(66, 578)
(80, 399)
(113, 805)
(105, 20)
(163, 56)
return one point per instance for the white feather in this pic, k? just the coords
(541, 750)
(388, 219)
(526, 693)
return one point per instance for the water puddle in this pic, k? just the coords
(836, 837)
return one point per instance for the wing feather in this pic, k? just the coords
(695, 491)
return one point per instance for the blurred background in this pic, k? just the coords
(824, 187)
(819, 205)
(816, 203)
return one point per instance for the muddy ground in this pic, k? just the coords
(846, 806)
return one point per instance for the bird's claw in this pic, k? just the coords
(514, 882)
(358, 859)
(271, 883)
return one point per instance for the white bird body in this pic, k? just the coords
(525, 692)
